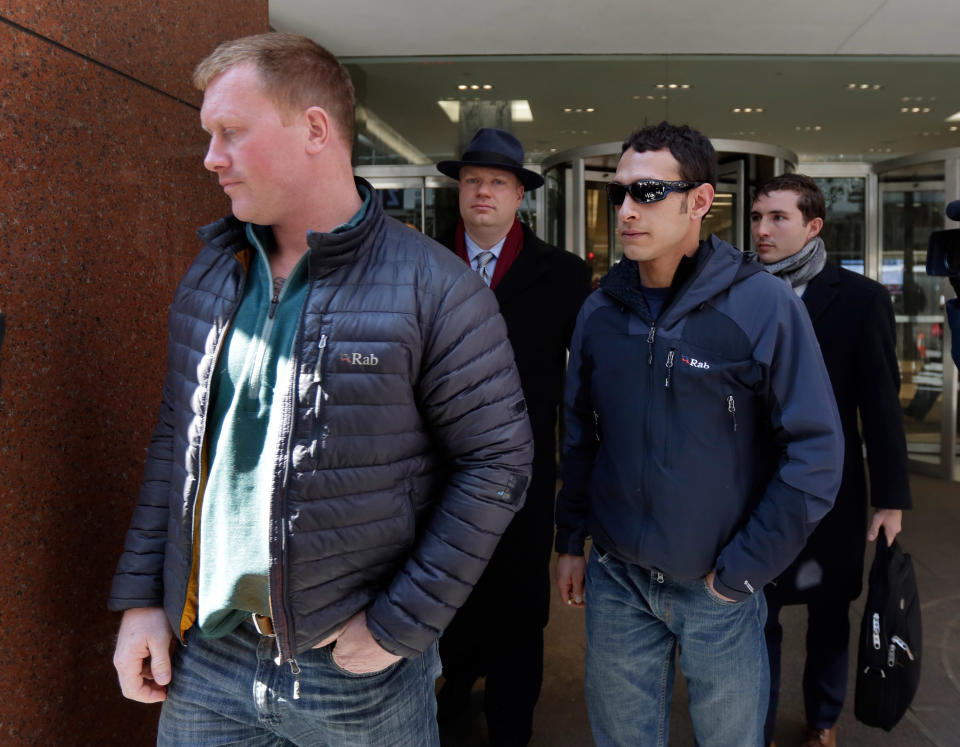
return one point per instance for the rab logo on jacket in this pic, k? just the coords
(694, 363)
(359, 359)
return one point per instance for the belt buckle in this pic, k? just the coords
(263, 624)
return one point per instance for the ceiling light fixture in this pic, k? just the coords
(520, 110)
(864, 86)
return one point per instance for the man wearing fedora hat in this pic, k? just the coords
(539, 289)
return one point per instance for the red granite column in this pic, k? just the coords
(102, 190)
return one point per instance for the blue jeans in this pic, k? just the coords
(231, 691)
(637, 619)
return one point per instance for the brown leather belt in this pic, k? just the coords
(263, 624)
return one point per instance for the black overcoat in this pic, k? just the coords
(853, 320)
(539, 297)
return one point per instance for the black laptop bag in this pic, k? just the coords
(888, 664)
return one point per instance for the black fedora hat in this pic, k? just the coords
(494, 149)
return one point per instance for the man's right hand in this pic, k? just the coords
(571, 570)
(142, 658)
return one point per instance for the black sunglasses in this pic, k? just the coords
(647, 190)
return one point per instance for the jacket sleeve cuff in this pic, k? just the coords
(737, 594)
(569, 541)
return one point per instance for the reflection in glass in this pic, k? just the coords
(844, 231)
(912, 203)
(403, 204)
(599, 218)
(720, 219)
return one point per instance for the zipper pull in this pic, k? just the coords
(650, 337)
(318, 369)
(903, 644)
(669, 378)
(295, 669)
(876, 631)
(273, 304)
(892, 656)
(732, 409)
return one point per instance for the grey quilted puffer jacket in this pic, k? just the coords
(407, 448)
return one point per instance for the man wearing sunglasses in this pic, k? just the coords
(703, 446)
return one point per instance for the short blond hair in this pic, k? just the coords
(297, 73)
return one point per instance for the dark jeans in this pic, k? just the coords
(825, 670)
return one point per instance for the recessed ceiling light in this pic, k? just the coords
(463, 87)
(864, 86)
(953, 118)
(520, 110)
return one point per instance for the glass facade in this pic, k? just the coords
(879, 220)
(912, 204)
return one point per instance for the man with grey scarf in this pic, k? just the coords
(853, 320)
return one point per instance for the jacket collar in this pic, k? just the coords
(327, 250)
(714, 267)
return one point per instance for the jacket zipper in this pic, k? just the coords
(668, 382)
(319, 431)
(282, 619)
(648, 429)
(254, 392)
(732, 409)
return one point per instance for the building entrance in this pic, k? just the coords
(879, 219)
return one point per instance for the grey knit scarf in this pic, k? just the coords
(803, 266)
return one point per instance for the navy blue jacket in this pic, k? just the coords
(707, 439)
(406, 447)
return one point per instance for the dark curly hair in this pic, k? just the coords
(693, 150)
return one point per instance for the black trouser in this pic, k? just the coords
(825, 670)
(511, 659)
